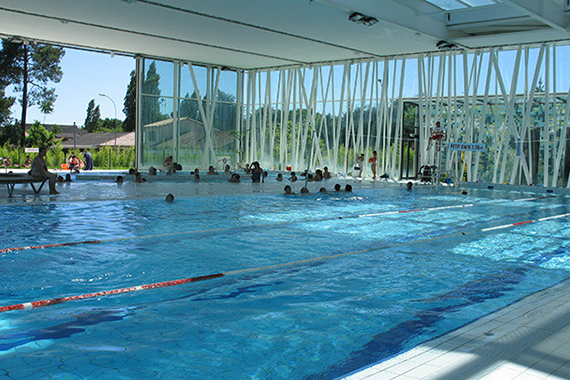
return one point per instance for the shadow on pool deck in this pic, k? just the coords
(529, 339)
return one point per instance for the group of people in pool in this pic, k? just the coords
(304, 190)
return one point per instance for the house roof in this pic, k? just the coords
(98, 140)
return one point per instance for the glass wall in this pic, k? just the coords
(156, 110)
(512, 104)
(509, 106)
(188, 112)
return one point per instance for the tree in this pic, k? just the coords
(151, 96)
(38, 136)
(5, 104)
(31, 68)
(108, 125)
(93, 118)
(130, 104)
(189, 107)
(10, 134)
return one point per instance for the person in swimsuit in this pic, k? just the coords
(39, 170)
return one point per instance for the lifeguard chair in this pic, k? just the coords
(437, 135)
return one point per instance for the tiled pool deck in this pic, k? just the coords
(528, 340)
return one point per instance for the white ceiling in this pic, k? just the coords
(268, 33)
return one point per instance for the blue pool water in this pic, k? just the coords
(394, 281)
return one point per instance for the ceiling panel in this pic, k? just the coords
(260, 33)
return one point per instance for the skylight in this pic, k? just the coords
(450, 5)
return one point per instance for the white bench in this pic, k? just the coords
(12, 179)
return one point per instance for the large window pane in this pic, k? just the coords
(157, 130)
(158, 78)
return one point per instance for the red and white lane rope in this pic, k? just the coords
(525, 222)
(13, 249)
(164, 284)
(55, 301)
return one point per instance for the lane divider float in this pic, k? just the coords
(13, 249)
(164, 284)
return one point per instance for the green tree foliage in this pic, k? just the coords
(189, 107)
(151, 97)
(6, 102)
(109, 125)
(10, 134)
(31, 68)
(94, 123)
(38, 136)
(130, 106)
(93, 117)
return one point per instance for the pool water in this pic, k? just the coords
(378, 281)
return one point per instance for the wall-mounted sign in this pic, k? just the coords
(474, 147)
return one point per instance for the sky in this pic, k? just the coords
(85, 75)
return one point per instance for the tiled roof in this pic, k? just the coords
(96, 140)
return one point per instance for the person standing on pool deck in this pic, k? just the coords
(39, 170)
(88, 161)
(359, 165)
(373, 163)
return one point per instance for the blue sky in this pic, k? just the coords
(85, 75)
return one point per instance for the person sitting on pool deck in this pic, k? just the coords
(39, 170)
(288, 190)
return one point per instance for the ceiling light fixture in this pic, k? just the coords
(446, 46)
(359, 18)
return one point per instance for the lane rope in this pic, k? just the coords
(14, 249)
(164, 284)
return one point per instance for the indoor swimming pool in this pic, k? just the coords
(305, 287)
